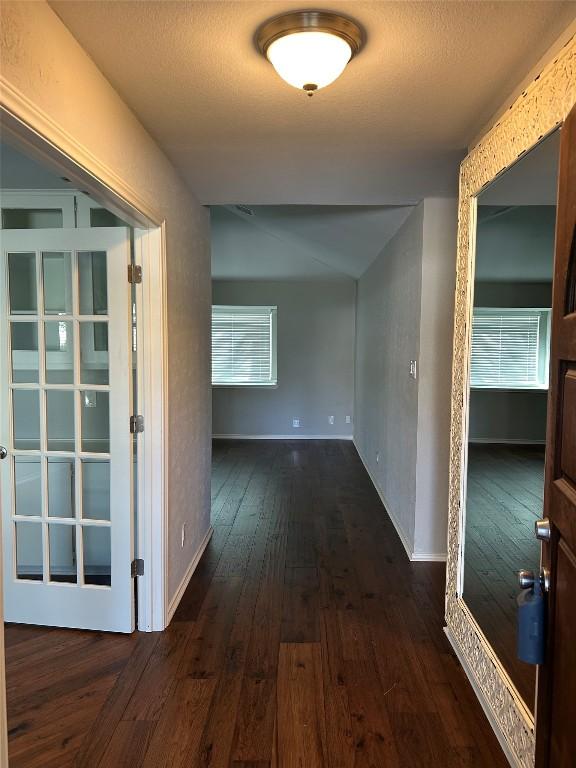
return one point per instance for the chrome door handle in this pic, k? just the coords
(3, 452)
(527, 579)
(542, 529)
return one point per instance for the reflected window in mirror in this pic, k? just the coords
(510, 348)
(509, 362)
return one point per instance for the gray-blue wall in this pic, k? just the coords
(315, 328)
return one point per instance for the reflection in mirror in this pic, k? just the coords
(508, 396)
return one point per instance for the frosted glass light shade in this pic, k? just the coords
(308, 59)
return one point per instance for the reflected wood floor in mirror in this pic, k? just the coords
(305, 638)
(504, 497)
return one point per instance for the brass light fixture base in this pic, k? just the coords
(310, 21)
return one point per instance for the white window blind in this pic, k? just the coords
(510, 348)
(243, 345)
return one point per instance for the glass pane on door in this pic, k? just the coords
(59, 342)
(93, 283)
(95, 489)
(26, 419)
(95, 421)
(61, 487)
(24, 351)
(62, 545)
(29, 550)
(22, 283)
(94, 353)
(60, 419)
(57, 282)
(28, 485)
(97, 555)
(32, 218)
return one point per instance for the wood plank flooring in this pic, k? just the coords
(505, 495)
(305, 639)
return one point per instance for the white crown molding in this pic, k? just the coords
(539, 110)
(51, 140)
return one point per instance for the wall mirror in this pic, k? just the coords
(507, 396)
(505, 254)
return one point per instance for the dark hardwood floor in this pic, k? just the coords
(305, 638)
(505, 495)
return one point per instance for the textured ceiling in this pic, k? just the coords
(298, 242)
(391, 130)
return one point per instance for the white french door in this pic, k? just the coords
(65, 402)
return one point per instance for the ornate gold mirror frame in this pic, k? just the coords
(540, 109)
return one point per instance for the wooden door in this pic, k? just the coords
(556, 705)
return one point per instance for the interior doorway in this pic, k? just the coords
(82, 484)
(90, 571)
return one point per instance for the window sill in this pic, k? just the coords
(508, 389)
(244, 386)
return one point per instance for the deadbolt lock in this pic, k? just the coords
(542, 529)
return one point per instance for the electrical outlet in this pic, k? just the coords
(413, 369)
(377, 457)
(330, 419)
(348, 419)
(295, 423)
(183, 536)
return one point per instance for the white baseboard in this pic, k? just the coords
(481, 698)
(282, 437)
(504, 441)
(429, 557)
(395, 522)
(175, 602)
(414, 557)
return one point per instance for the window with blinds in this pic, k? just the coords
(243, 346)
(510, 348)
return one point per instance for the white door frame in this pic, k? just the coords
(152, 386)
(36, 135)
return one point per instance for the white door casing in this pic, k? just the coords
(65, 475)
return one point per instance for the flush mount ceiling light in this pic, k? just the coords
(309, 49)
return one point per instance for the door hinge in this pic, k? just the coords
(134, 273)
(136, 424)
(137, 568)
